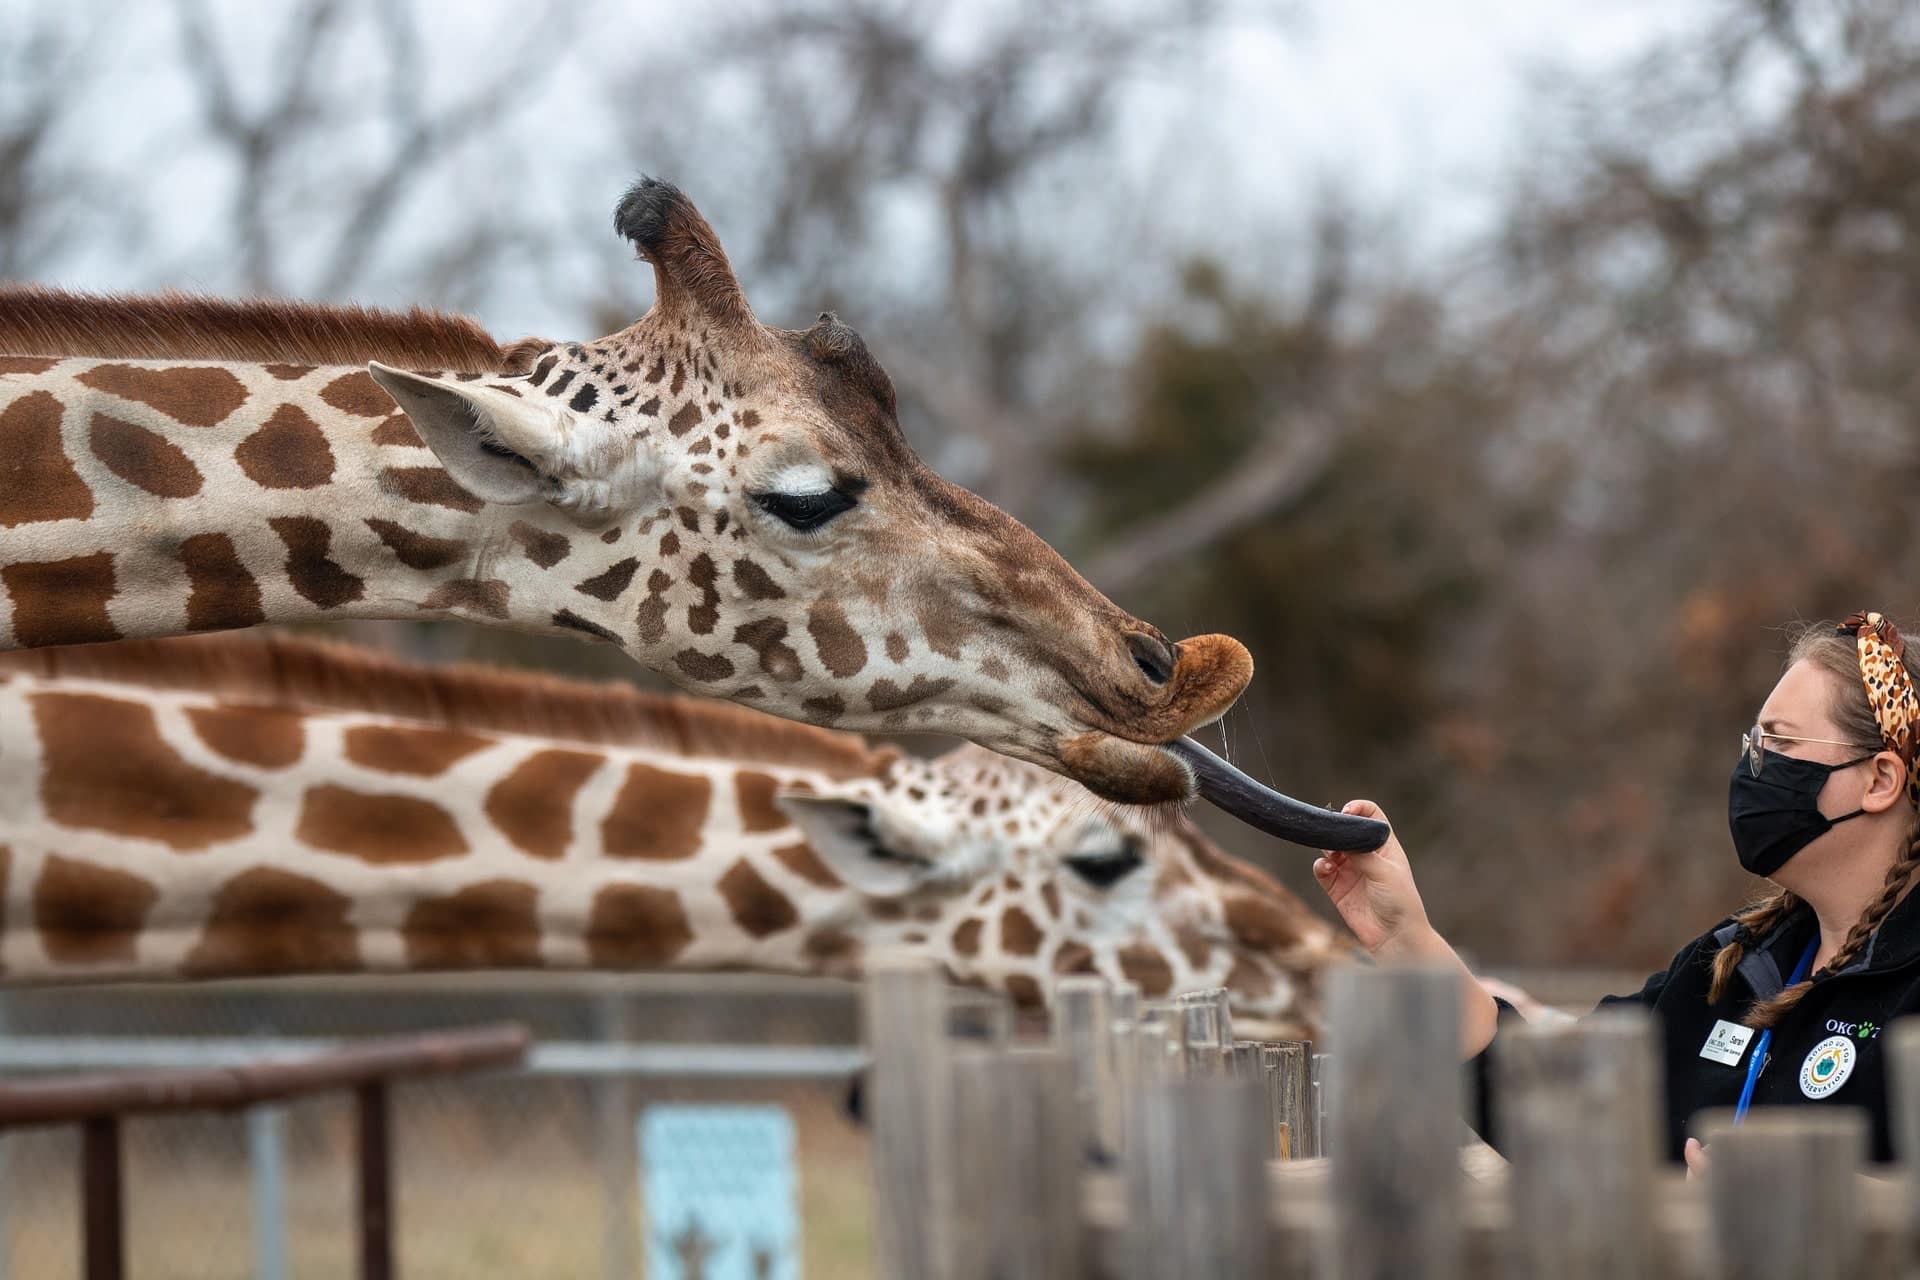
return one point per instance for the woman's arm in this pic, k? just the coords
(1375, 895)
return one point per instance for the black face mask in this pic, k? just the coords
(1777, 814)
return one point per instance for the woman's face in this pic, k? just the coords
(1800, 706)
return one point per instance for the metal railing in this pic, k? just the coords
(100, 1103)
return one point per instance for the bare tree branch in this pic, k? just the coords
(1271, 477)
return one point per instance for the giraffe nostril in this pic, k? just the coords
(1155, 657)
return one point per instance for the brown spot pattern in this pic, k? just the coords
(192, 395)
(805, 863)
(636, 926)
(490, 925)
(754, 792)
(706, 667)
(1074, 957)
(144, 459)
(896, 646)
(840, 647)
(420, 752)
(1019, 935)
(756, 906)
(397, 429)
(358, 394)
(61, 601)
(417, 550)
(140, 786)
(267, 921)
(966, 938)
(313, 574)
(885, 695)
(89, 914)
(37, 479)
(429, 485)
(1146, 969)
(755, 581)
(221, 594)
(657, 815)
(265, 737)
(379, 829)
(826, 710)
(543, 548)
(702, 575)
(485, 596)
(533, 805)
(766, 637)
(684, 418)
(610, 584)
(26, 364)
(289, 452)
(288, 372)
(1195, 943)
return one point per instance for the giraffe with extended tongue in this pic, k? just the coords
(233, 806)
(734, 505)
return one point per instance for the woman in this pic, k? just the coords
(1786, 1000)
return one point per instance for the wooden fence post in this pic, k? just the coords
(906, 1033)
(1394, 1185)
(1200, 1036)
(1782, 1193)
(1196, 1181)
(1083, 1031)
(1017, 1144)
(1578, 1116)
(1287, 1076)
(1903, 1097)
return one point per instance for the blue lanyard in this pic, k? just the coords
(1759, 1059)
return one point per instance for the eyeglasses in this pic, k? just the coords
(1753, 745)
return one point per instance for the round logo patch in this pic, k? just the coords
(1827, 1067)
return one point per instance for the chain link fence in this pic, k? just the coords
(524, 1174)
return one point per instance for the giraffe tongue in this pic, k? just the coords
(1261, 806)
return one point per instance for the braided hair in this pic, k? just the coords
(1836, 654)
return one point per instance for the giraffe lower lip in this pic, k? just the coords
(1261, 807)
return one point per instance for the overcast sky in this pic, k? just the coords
(1411, 106)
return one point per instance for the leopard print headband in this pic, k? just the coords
(1889, 688)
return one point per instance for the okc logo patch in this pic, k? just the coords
(1827, 1067)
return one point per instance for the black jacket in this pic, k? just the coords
(1834, 1033)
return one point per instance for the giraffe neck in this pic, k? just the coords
(226, 837)
(151, 499)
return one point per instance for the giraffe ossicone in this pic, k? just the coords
(732, 504)
(247, 806)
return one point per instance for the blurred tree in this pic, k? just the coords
(948, 166)
(1707, 298)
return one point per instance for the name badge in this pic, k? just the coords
(1726, 1042)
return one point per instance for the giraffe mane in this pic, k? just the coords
(38, 320)
(303, 674)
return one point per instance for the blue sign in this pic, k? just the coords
(719, 1193)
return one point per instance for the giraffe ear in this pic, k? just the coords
(494, 444)
(841, 830)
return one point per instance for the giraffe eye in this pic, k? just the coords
(804, 511)
(1104, 868)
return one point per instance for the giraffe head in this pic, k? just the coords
(736, 506)
(1011, 876)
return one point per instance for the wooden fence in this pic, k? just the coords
(1146, 1142)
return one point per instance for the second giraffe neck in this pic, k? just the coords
(150, 499)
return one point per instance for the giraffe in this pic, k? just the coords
(255, 805)
(733, 505)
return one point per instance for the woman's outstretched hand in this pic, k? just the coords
(1374, 893)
